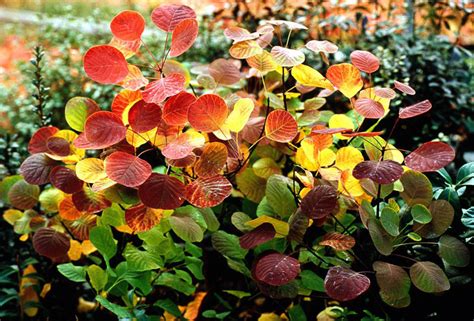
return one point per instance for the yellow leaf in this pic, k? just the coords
(349, 185)
(192, 309)
(27, 291)
(50, 199)
(46, 288)
(24, 237)
(245, 49)
(346, 78)
(263, 62)
(341, 121)
(12, 215)
(307, 76)
(75, 154)
(136, 140)
(266, 167)
(87, 247)
(330, 174)
(281, 228)
(326, 157)
(251, 185)
(348, 157)
(75, 250)
(272, 317)
(373, 148)
(90, 170)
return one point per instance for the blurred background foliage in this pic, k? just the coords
(427, 44)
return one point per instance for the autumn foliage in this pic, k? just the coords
(172, 153)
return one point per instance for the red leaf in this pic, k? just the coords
(383, 172)
(208, 192)
(65, 179)
(281, 126)
(182, 162)
(38, 141)
(23, 195)
(183, 37)
(212, 160)
(51, 243)
(144, 117)
(239, 34)
(404, 88)
(175, 110)
(365, 61)
(58, 146)
(276, 269)
(162, 191)
(224, 72)
(362, 134)
(338, 241)
(141, 218)
(430, 157)
(167, 17)
(257, 236)
(105, 64)
(103, 129)
(89, 201)
(319, 202)
(369, 108)
(343, 284)
(208, 113)
(179, 148)
(126, 169)
(330, 131)
(415, 110)
(36, 169)
(157, 91)
(385, 93)
(253, 129)
(128, 25)
(123, 99)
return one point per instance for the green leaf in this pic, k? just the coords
(468, 217)
(312, 281)
(414, 236)
(279, 195)
(366, 212)
(428, 277)
(466, 175)
(453, 251)
(417, 188)
(239, 266)
(238, 294)
(97, 277)
(394, 284)
(421, 214)
(5, 186)
(228, 245)
(113, 216)
(264, 208)
(116, 309)
(173, 281)
(73, 272)
(296, 313)
(186, 228)
(450, 194)
(103, 240)
(211, 220)
(77, 110)
(169, 306)
(239, 219)
(382, 240)
(442, 214)
(141, 260)
(390, 221)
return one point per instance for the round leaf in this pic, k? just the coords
(415, 110)
(417, 188)
(65, 179)
(183, 37)
(23, 195)
(167, 17)
(104, 129)
(162, 191)
(128, 25)
(442, 216)
(37, 168)
(338, 241)
(208, 113)
(428, 277)
(175, 110)
(453, 251)
(157, 91)
(421, 214)
(430, 157)
(77, 110)
(105, 64)
(51, 243)
(208, 192)
(286, 57)
(276, 269)
(141, 218)
(346, 78)
(383, 172)
(281, 126)
(127, 169)
(144, 117)
(394, 284)
(343, 284)
(212, 160)
(224, 72)
(365, 61)
(319, 202)
(257, 236)
(369, 108)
